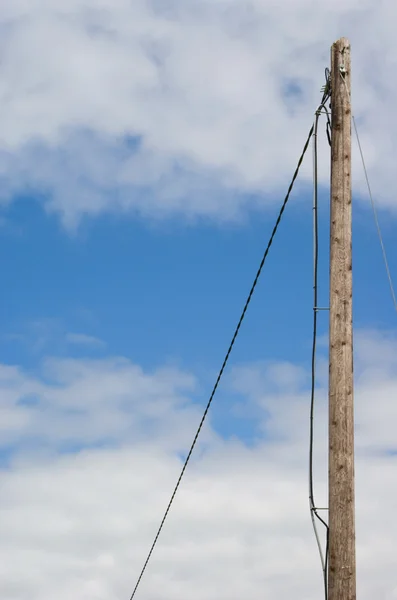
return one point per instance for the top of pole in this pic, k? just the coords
(343, 41)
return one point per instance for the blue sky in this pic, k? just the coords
(126, 266)
(173, 291)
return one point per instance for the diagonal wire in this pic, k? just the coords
(389, 277)
(236, 332)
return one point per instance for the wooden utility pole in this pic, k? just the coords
(342, 559)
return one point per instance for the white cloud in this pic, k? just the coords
(78, 525)
(164, 108)
(48, 335)
(95, 402)
(82, 339)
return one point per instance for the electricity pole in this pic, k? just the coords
(342, 559)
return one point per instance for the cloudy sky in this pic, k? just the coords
(145, 147)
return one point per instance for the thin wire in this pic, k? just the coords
(389, 277)
(236, 332)
(313, 509)
(393, 294)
